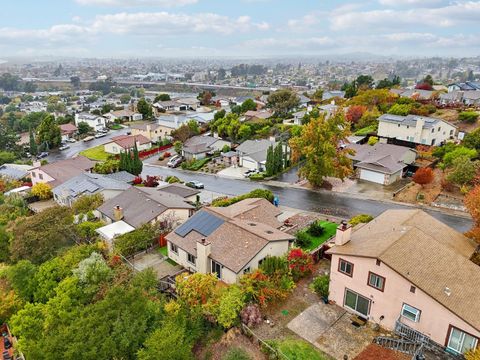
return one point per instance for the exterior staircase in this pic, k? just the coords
(402, 345)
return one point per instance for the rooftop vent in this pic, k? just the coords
(447, 291)
(252, 224)
(269, 232)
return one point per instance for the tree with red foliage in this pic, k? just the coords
(355, 112)
(151, 181)
(300, 263)
(472, 203)
(424, 86)
(423, 176)
(138, 180)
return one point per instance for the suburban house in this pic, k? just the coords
(229, 241)
(409, 272)
(381, 163)
(152, 131)
(257, 115)
(415, 129)
(327, 95)
(198, 146)
(60, 171)
(15, 171)
(123, 115)
(67, 131)
(140, 205)
(466, 86)
(471, 98)
(88, 184)
(124, 143)
(252, 154)
(96, 122)
(189, 194)
(179, 104)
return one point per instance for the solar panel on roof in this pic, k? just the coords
(202, 222)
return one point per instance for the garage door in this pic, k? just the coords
(372, 176)
(248, 163)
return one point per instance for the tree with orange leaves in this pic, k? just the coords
(355, 113)
(319, 145)
(423, 176)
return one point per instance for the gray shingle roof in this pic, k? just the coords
(122, 176)
(87, 184)
(410, 120)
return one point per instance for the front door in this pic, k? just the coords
(217, 269)
(357, 303)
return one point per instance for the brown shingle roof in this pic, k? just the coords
(426, 252)
(248, 227)
(64, 170)
(128, 141)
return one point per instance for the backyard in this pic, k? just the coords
(96, 153)
(309, 240)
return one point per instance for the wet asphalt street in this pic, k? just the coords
(341, 205)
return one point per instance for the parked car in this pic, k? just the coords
(88, 138)
(195, 184)
(175, 161)
(71, 140)
(100, 135)
(64, 147)
(250, 172)
(104, 131)
(42, 155)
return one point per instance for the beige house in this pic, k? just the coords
(152, 131)
(408, 272)
(230, 241)
(415, 129)
(124, 143)
(58, 172)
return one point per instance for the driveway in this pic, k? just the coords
(329, 328)
(233, 172)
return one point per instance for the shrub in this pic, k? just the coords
(423, 176)
(257, 177)
(86, 203)
(300, 263)
(151, 181)
(172, 179)
(400, 109)
(320, 285)
(372, 140)
(138, 180)
(273, 265)
(302, 239)
(316, 229)
(251, 315)
(263, 289)
(43, 191)
(468, 116)
(195, 165)
(361, 218)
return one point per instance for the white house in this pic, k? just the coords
(123, 143)
(96, 122)
(415, 129)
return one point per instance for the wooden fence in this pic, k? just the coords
(277, 352)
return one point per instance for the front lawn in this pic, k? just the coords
(315, 241)
(96, 153)
(195, 165)
(366, 130)
(298, 350)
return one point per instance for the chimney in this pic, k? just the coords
(117, 213)
(344, 232)
(419, 129)
(204, 249)
(149, 128)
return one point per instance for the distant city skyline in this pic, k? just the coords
(242, 28)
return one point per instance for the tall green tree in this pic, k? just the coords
(33, 144)
(318, 144)
(144, 108)
(137, 165)
(48, 132)
(270, 161)
(283, 101)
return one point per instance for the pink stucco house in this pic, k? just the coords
(407, 270)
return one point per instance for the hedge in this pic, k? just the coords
(257, 193)
(195, 165)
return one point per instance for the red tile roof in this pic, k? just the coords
(128, 141)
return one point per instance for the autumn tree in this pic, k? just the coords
(42, 190)
(318, 144)
(355, 113)
(472, 203)
(423, 176)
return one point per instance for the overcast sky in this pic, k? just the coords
(175, 28)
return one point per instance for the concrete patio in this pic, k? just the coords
(329, 328)
(157, 262)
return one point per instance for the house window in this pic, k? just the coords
(439, 129)
(433, 130)
(34, 174)
(356, 302)
(411, 313)
(40, 175)
(378, 262)
(261, 261)
(247, 270)
(191, 259)
(413, 289)
(217, 269)
(451, 132)
(408, 126)
(398, 125)
(174, 248)
(376, 281)
(460, 342)
(345, 267)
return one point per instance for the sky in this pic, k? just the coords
(238, 28)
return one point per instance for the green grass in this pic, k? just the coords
(366, 130)
(163, 250)
(315, 241)
(116, 127)
(96, 153)
(299, 350)
(236, 354)
(196, 165)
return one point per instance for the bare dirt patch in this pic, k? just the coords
(430, 191)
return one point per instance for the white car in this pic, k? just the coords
(250, 172)
(64, 147)
(71, 140)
